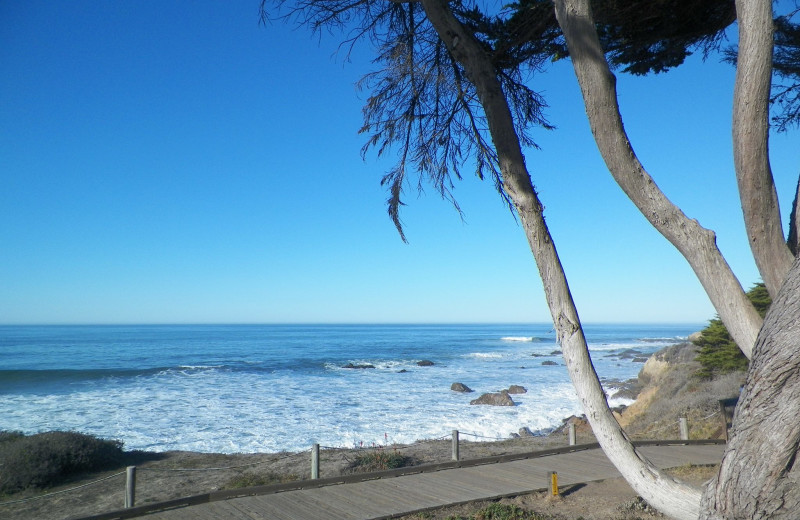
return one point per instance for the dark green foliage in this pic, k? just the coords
(422, 103)
(719, 354)
(46, 459)
(644, 36)
(759, 297)
(380, 460)
(8, 436)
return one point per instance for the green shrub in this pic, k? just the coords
(8, 436)
(379, 460)
(719, 354)
(46, 459)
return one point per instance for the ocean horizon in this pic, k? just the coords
(232, 388)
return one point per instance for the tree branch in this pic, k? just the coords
(662, 491)
(757, 191)
(696, 244)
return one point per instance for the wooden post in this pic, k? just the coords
(684, 428)
(130, 486)
(553, 484)
(315, 461)
(455, 445)
(571, 431)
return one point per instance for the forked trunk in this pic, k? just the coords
(759, 477)
(696, 244)
(670, 496)
(762, 216)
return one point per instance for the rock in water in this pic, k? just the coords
(517, 389)
(498, 399)
(460, 387)
(350, 365)
(525, 432)
(425, 363)
(549, 363)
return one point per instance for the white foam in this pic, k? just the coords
(202, 408)
(518, 338)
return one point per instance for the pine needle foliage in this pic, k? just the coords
(719, 354)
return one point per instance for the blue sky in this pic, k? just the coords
(173, 162)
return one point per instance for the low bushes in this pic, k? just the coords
(379, 460)
(46, 459)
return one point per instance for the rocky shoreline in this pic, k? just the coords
(664, 392)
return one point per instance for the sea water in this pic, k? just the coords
(269, 388)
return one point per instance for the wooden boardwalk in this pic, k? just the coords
(387, 496)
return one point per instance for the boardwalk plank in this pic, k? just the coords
(382, 498)
(342, 495)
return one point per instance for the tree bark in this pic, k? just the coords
(696, 244)
(757, 191)
(668, 495)
(794, 223)
(759, 477)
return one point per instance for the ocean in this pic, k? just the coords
(271, 388)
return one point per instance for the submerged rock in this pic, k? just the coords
(425, 363)
(498, 399)
(460, 387)
(549, 364)
(350, 365)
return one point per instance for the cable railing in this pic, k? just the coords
(317, 462)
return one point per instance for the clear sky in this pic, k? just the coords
(178, 162)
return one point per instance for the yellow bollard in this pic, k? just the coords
(554, 483)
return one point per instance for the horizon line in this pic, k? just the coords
(331, 323)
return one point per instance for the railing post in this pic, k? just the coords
(571, 433)
(130, 486)
(315, 461)
(455, 445)
(684, 428)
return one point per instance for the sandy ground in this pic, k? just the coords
(611, 499)
(170, 475)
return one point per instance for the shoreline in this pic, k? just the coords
(162, 475)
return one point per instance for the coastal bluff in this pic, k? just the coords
(668, 388)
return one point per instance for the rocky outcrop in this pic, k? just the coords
(425, 363)
(499, 399)
(525, 432)
(517, 389)
(460, 387)
(670, 390)
(549, 364)
(351, 365)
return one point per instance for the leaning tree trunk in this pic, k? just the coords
(757, 191)
(696, 244)
(759, 477)
(668, 495)
(794, 223)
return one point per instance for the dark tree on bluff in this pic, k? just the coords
(450, 90)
